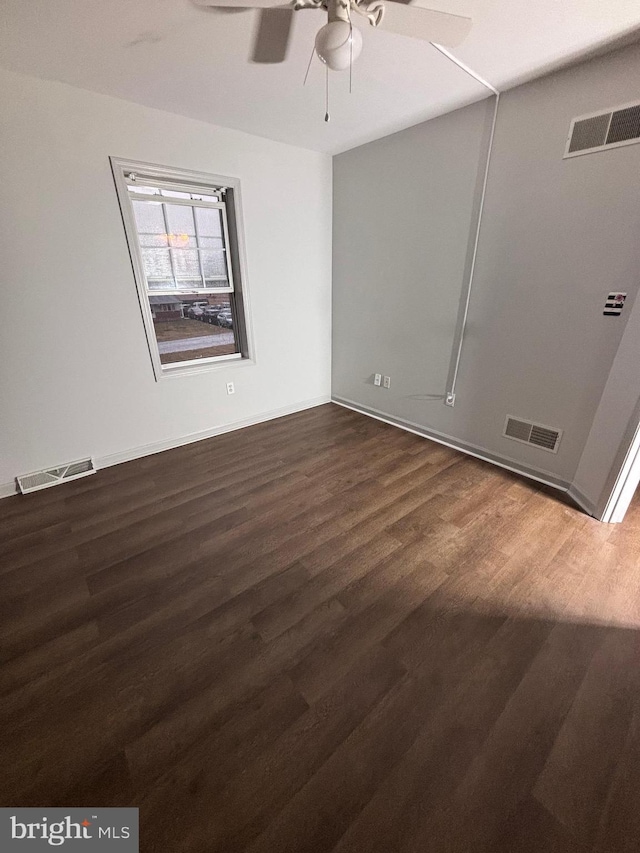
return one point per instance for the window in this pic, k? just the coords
(183, 230)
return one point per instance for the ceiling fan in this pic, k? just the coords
(338, 43)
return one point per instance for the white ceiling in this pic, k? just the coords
(176, 56)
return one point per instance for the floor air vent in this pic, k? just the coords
(547, 438)
(52, 476)
(608, 129)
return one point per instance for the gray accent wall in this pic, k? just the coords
(556, 236)
(615, 421)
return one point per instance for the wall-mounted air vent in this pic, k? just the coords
(52, 476)
(547, 438)
(603, 130)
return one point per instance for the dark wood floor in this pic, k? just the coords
(323, 634)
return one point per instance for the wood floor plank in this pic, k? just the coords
(505, 769)
(528, 826)
(282, 614)
(246, 675)
(203, 771)
(246, 808)
(576, 778)
(463, 687)
(316, 672)
(620, 822)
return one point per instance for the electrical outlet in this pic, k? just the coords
(377, 379)
(387, 382)
(231, 388)
(450, 399)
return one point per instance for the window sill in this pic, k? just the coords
(203, 367)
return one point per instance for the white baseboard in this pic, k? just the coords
(8, 489)
(170, 443)
(471, 450)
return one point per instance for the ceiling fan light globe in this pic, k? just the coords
(337, 44)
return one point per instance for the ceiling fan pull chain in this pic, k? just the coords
(327, 117)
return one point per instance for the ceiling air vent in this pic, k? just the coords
(608, 129)
(527, 432)
(52, 476)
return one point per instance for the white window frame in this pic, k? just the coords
(182, 180)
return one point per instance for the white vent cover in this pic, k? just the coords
(544, 437)
(52, 476)
(603, 130)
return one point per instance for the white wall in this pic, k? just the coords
(75, 372)
(557, 235)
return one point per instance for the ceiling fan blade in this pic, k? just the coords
(246, 4)
(272, 39)
(407, 19)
